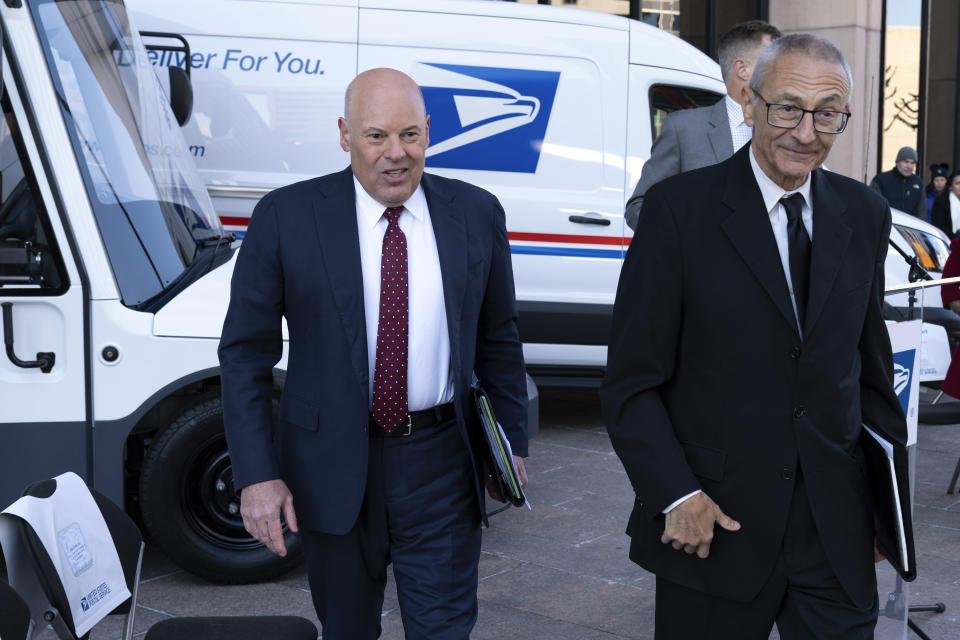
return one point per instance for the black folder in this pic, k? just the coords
(496, 454)
(890, 482)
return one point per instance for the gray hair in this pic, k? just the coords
(798, 43)
(740, 40)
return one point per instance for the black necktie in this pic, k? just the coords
(798, 245)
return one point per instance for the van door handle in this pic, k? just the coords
(590, 218)
(44, 359)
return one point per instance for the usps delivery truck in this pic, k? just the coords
(553, 110)
(114, 270)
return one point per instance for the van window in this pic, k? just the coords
(665, 98)
(30, 262)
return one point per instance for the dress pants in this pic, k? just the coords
(802, 596)
(419, 512)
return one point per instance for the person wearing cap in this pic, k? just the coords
(902, 188)
(938, 182)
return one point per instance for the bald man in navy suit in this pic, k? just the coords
(396, 286)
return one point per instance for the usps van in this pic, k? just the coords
(553, 110)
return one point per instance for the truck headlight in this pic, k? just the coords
(930, 249)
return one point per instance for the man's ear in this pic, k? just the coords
(344, 134)
(742, 68)
(426, 131)
(747, 102)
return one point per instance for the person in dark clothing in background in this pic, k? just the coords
(902, 188)
(945, 213)
(938, 182)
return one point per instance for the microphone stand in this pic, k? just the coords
(916, 274)
(894, 607)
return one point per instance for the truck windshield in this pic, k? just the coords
(153, 212)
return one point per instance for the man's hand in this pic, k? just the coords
(690, 525)
(877, 555)
(494, 491)
(521, 471)
(261, 505)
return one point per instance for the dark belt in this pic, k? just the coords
(416, 421)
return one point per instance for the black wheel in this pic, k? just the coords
(190, 508)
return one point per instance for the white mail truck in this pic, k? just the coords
(552, 109)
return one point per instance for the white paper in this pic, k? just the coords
(73, 532)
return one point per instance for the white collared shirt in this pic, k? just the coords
(740, 131)
(772, 192)
(428, 341)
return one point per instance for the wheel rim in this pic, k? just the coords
(210, 502)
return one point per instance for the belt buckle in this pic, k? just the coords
(409, 427)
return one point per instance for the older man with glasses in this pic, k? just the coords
(748, 351)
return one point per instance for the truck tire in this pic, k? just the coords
(191, 509)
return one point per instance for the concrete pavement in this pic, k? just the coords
(560, 571)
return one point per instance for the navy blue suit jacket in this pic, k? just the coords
(300, 260)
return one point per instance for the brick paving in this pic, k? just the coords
(561, 571)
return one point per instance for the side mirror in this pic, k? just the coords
(181, 95)
(181, 90)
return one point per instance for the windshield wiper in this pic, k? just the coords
(216, 241)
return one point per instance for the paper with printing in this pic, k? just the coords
(76, 537)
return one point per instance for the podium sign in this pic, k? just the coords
(905, 341)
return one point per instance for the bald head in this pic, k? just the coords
(386, 130)
(381, 84)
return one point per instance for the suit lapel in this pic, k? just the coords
(830, 237)
(749, 230)
(719, 131)
(336, 219)
(450, 230)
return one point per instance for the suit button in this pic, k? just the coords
(786, 473)
(798, 412)
(795, 353)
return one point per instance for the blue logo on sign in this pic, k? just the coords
(903, 362)
(486, 118)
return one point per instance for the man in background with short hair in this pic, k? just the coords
(903, 188)
(694, 138)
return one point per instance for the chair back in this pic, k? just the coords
(15, 621)
(33, 571)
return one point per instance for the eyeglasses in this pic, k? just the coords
(787, 116)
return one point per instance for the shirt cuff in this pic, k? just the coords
(674, 505)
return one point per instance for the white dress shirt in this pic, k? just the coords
(954, 211)
(772, 192)
(740, 131)
(428, 341)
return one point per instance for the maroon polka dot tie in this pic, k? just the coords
(390, 370)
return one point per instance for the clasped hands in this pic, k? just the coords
(689, 525)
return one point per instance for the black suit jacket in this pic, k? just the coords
(300, 260)
(709, 385)
(940, 214)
